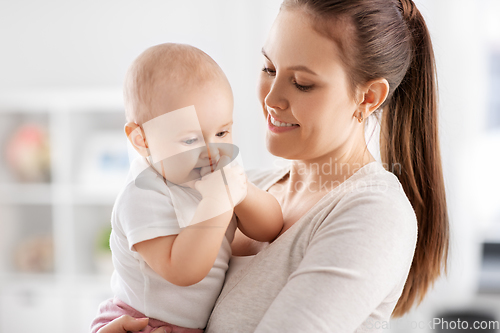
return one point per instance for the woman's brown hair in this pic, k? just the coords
(389, 39)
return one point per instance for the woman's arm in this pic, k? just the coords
(259, 215)
(358, 257)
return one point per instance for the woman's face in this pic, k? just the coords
(303, 82)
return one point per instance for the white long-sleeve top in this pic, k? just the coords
(340, 268)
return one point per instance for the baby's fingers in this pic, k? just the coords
(223, 161)
(205, 171)
(124, 324)
(164, 329)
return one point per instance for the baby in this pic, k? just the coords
(174, 221)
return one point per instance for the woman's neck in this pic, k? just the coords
(328, 171)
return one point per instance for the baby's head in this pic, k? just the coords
(177, 101)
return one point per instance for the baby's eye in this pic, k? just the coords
(190, 141)
(222, 134)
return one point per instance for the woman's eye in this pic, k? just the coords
(222, 134)
(301, 87)
(269, 71)
(190, 141)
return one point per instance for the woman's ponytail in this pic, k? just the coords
(409, 139)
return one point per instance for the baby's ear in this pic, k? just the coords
(136, 137)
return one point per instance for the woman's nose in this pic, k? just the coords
(275, 97)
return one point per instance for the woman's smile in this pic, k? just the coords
(277, 126)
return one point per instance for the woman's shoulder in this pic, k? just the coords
(368, 211)
(375, 181)
(374, 197)
(374, 174)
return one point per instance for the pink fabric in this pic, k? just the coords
(114, 308)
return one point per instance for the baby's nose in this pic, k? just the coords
(211, 152)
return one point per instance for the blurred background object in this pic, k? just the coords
(35, 255)
(102, 251)
(63, 156)
(27, 153)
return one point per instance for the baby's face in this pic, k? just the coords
(178, 139)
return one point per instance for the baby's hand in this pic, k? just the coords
(205, 171)
(210, 183)
(237, 183)
(212, 186)
(223, 161)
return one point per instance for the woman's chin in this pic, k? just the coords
(281, 149)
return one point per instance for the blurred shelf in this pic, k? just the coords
(33, 279)
(489, 275)
(69, 100)
(489, 282)
(95, 195)
(70, 212)
(33, 194)
(48, 194)
(493, 235)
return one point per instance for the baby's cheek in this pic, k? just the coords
(188, 159)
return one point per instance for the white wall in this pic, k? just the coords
(89, 44)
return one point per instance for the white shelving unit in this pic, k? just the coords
(88, 163)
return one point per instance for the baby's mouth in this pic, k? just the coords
(212, 162)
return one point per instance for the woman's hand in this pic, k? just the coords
(127, 323)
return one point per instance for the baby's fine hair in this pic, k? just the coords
(176, 66)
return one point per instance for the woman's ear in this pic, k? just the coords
(136, 137)
(373, 95)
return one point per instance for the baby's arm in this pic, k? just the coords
(259, 215)
(186, 258)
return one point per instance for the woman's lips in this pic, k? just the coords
(279, 129)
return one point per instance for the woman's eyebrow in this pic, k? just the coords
(228, 124)
(302, 68)
(292, 68)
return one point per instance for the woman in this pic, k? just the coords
(348, 256)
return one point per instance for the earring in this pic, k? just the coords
(360, 119)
